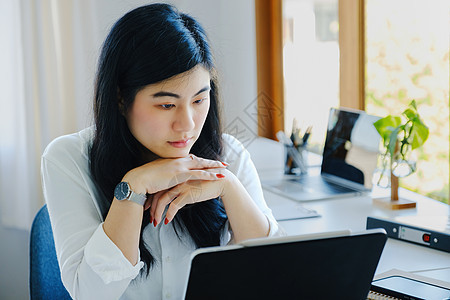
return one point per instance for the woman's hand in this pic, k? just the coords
(163, 174)
(188, 192)
(246, 219)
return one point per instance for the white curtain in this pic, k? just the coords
(48, 55)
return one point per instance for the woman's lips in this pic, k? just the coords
(180, 144)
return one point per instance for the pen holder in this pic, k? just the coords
(290, 166)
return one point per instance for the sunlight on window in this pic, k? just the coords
(311, 64)
(407, 57)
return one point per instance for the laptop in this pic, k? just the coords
(333, 265)
(349, 159)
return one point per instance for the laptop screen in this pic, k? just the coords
(351, 146)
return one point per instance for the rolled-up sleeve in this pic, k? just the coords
(92, 266)
(241, 165)
(103, 256)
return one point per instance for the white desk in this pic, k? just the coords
(352, 213)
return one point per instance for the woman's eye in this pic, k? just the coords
(167, 106)
(199, 101)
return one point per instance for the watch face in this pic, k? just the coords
(122, 191)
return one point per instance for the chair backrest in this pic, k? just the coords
(45, 277)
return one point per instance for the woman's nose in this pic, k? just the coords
(184, 120)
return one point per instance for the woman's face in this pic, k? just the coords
(167, 117)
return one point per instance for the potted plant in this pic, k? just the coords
(400, 135)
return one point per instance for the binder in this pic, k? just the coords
(428, 231)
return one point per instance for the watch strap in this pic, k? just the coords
(137, 198)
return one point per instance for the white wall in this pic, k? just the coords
(231, 29)
(230, 25)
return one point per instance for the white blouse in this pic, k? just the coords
(92, 266)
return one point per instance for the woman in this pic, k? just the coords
(156, 155)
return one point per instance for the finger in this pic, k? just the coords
(173, 209)
(148, 202)
(163, 201)
(203, 163)
(214, 171)
(207, 174)
(187, 193)
(155, 200)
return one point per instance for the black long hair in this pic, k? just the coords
(147, 45)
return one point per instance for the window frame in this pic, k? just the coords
(269, 48)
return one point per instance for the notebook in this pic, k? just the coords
(333, 265)
(349, 159)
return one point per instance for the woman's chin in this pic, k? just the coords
(178, 153)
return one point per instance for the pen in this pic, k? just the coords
(293, 153)
(295, 134)
(306, 135)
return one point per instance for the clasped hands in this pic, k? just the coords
(177, 182)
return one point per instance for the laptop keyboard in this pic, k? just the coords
(318, 183)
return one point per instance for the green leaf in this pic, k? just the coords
(409, 135)
(386, 125)
(419, 134)
(410, 114)
(411, 111)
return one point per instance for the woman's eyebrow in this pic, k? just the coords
(206, 88)
(169, 94)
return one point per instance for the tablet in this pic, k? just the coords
(408, 288)
(319, 266)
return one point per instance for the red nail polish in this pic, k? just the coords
(154, 223)
(225, 164)
(151, 219)
(220, 175)
(166, 221)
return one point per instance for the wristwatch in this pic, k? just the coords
(123, 192)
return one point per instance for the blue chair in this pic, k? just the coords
(45, 277)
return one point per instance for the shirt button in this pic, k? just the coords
(168, 259)
(168, 295)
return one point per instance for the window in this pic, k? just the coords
(407, 57)
(387, 53)
(310, 64)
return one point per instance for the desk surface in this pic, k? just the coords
(351, 213)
